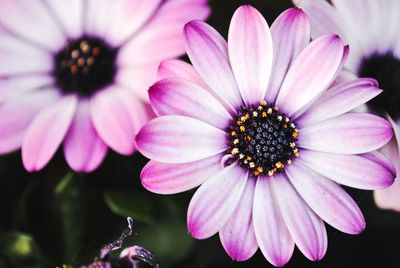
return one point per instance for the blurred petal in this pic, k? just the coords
(46, 133)
(17, 114)
(83, 148)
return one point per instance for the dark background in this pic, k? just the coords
(56, 217)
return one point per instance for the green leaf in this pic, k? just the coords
(19, 248)
(132, 205)
(169, 242)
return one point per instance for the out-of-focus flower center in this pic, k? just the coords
(385, 68)
(262, 139)
(85, 66)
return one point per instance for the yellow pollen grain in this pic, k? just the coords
(289, 161)
(263, 103)
(292, 125)
(233, 133)
(252, 165)
(249, 158)
(287, 119)
(292, 144)
(260, 169)
(276, 108)
(264, 114)
(285, 126)
(271, 172)
(75, 54)
(259, 108)
(242, 128)
(294, 134)
(243, 118)
(279, 165)
(235, 141)
(81, 62)
(279, 117)
(245, 161)
(235, 151)
(256, 173)
(90, 61)
(255, 114)
(238, 122)
(85, 47)
(269, 111)
(74, 69)
(241, 156)
(96, 51)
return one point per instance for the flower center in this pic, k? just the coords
(385, 68)
(262, 139)
(84, 66)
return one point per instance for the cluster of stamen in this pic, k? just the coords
(85, 65)
(263, 139)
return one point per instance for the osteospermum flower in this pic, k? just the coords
(78, 71)
(370, 27)
(254, 124)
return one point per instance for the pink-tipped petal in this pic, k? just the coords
(351, 133)
(309, 76)
(358, 171)
(164, 178)
(46, 133)
(83, 148)
(181, 69)
(328, 200)
(177, 96)
(215, 201)
(306, 228)
(179, 139)
(237, 236)
(208, 53)
(290, 35)
(250, 53)
(17, 114)
(117, 116)
(271, 232)
(341, 99)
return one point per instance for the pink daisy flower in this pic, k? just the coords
(76, 72)
(253, 124)
(370, 27)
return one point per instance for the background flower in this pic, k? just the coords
(369, 27)
(78, 71)
(254, 124)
